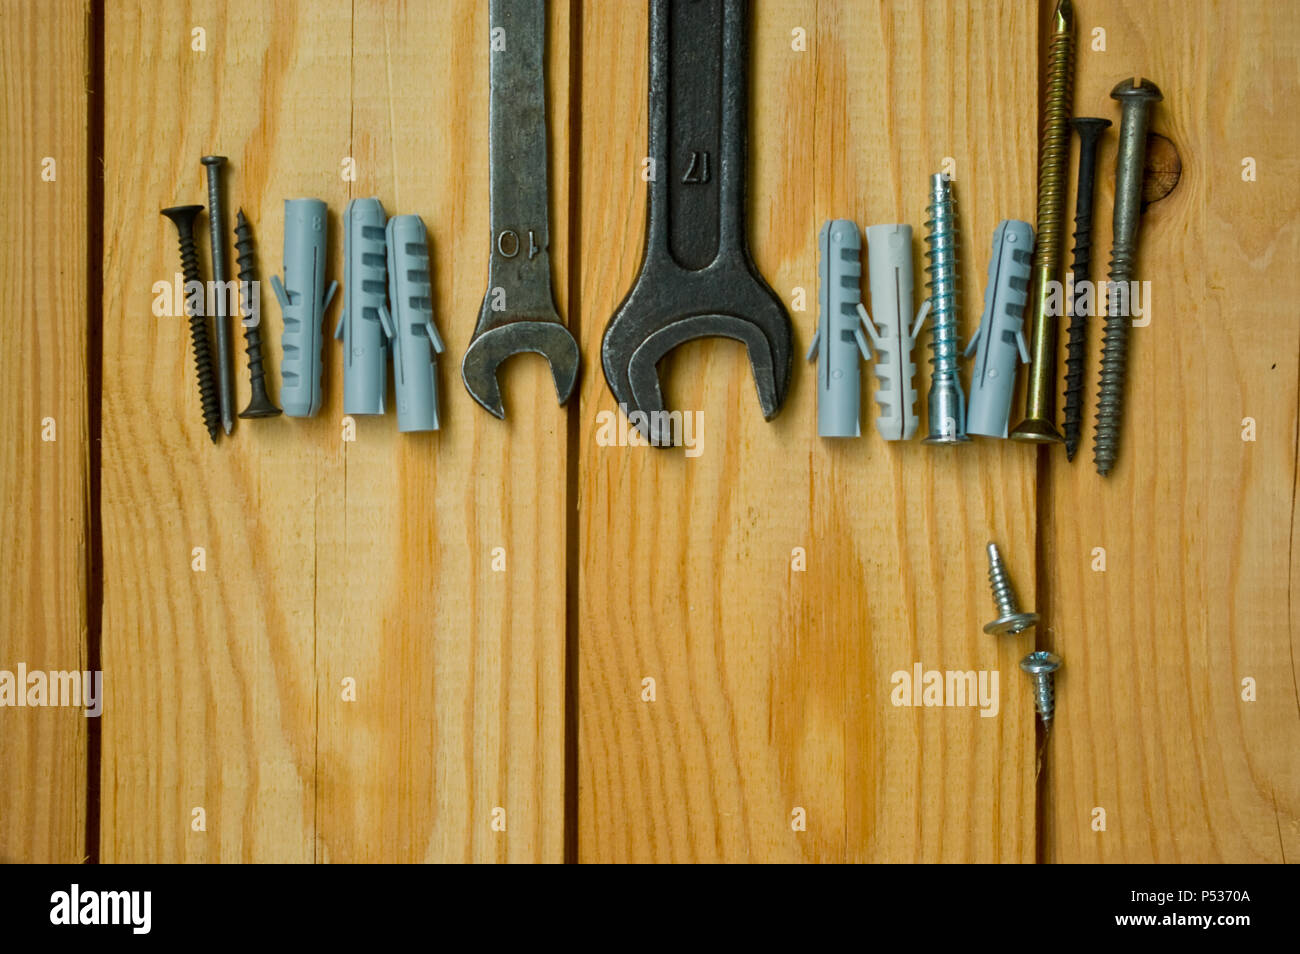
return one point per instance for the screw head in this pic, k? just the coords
(1090, 127)
(213, 160)
(1134, 90)
(946, 439)
(1035, 430)
(1040, 662)
(1011, 625)
(259, 406)
(183, 215)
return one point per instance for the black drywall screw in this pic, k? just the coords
(1136, 100)
(217, 233)
(1090, 130)
(183, 218)
(259, 402)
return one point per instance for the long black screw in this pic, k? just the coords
(259, 402)
(182, 217)
(1090, 130)
(217, 234)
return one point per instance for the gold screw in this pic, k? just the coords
(1039, 425)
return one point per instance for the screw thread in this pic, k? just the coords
(1114, 361)
(246, 260)
(1044, 695)
(1039, 424)
(1053, 162)
(1076, 347)
(941, 237)
(199, 339)
(1004, 597)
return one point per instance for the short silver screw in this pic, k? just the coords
(1010, 620)
(1040, 665)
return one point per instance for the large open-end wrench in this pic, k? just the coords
(518, 312)
(697, 277)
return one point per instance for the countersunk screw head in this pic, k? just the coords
(1040, 661)
(1134, 90)
(1090, 127)
(183, 216)
(1037, 430)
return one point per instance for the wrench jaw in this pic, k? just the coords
(490, 349)
(631, 364)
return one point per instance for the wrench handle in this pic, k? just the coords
(697, 130)
(519, 264)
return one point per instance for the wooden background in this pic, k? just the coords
(521, 690)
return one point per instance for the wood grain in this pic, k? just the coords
(372, 560)
(327, 560)
(773, 684)
(44, 484)
(1197, 524)
(466, 664)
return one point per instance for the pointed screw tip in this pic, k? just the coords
(1063, 17)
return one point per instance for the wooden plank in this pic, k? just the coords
(1196, 523)
(460, 668)
(773, 685)
(214, 672)
(44, 433)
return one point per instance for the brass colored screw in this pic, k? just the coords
(1039, 425)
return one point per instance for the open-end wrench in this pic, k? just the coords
(697, 278)
(518, 312)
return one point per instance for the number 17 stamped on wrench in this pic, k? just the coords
(518, 312)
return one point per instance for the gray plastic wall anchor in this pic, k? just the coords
(416, 339)
(303, 300)
(894, 332)
(364, 327)
(1000, 342)
(839, 339)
